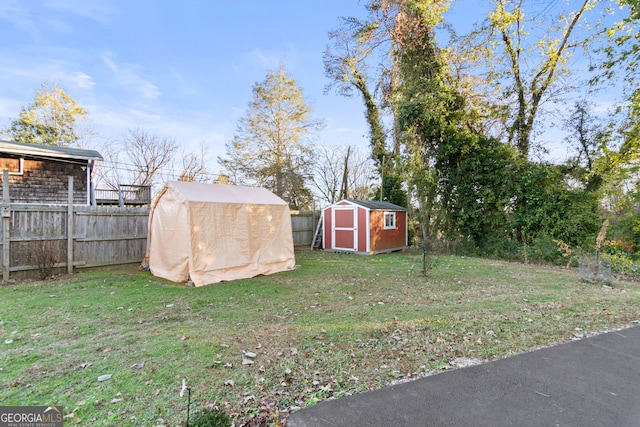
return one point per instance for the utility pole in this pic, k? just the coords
(345, 176)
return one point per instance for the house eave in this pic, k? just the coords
(48, 152)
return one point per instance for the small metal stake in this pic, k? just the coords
(188, 389)
(188, 404)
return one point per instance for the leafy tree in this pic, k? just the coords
(50, 120)
(476, 176)
(528, 63)
(428, 107)
(414, 92)
(422, 182)
(622, 53)
(353, 43)
(272, 147)
(590, 139)
(486, 112)
(584, 132)
(465, 118)
(544, 205)
(345, 62)
(391, 191)
(621, 207)
(620, 63)
(222, 179)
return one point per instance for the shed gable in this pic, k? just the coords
(364, 227)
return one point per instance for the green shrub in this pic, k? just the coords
(622, 263)
(622, 257)
(544, 248)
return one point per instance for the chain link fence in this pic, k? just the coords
(595, 268)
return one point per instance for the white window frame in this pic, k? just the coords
(20, 167)
(389, 219)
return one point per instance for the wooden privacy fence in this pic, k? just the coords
(303, 225)
(36, 236)
(77, 236)
(85, 236)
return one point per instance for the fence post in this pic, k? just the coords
(120, 197)
(93, 195)
(70, 228)
(313, 219)
(6, 226)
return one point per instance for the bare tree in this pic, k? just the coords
(340, 168)
(110, 172)
(137, 159)
(361, 175)
(193, 166)
(148, 153)
(326, 179)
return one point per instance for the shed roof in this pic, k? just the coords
(376, 205)
(48, 151)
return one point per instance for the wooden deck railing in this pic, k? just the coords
(124, 195)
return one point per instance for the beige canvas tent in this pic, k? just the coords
(211, 233)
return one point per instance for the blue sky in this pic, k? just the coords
(178, 69)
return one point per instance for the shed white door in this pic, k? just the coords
(345, 227)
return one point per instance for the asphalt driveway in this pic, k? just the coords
(590, 382)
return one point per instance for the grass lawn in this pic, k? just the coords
(340, 324)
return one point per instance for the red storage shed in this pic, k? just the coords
(364, 227)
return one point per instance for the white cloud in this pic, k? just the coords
(189, 130)
(95, 10)
(184, 85)
(36, 17)
(270, 60)
(264, 59)
(128, 75)
(604, 107)
(80, 80)
(15, 12)
(54, 71)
